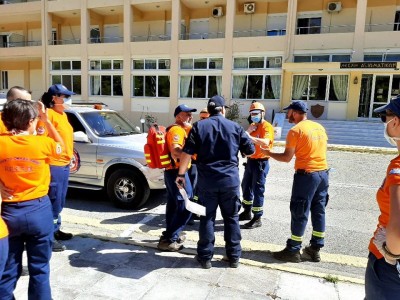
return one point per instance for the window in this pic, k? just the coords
(106, 85)
(396, 26)
(200, 86)
(309, 25)
(201, 63)
(106, 64)
(260, 62)
(4, 80)
(68, 73)
(150, 86)
(322, 58)
(382, 57)
(256, 87)
(150, 78)
(320, 87)
(151, 64)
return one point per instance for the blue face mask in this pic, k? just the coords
(256, 118)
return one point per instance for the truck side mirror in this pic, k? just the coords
(81, 137)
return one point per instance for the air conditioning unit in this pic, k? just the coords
(249, 8)
(217, 12)
(334, 7)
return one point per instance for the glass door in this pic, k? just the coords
(365, 96)
(376, 90)
(381, 93)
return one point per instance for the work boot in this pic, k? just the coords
(245, 215)
(234, 263)
(287, 256)
(58, 247)
(205, 263)
(311, 253)
(254, 223)
(62, 236)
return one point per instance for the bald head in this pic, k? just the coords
(18, 92)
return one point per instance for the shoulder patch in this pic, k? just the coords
(176, 138)
(395, 171)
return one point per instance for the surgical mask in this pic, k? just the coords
(256, 118)
(390, 140)
(68, 101)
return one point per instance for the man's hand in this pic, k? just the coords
(266, 152)
(379, 239)
(6, 193)
(180, 182)
(42, 111)
(251, 128)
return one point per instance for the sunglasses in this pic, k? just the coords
(384, 117)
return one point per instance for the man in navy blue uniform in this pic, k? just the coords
(217, 142)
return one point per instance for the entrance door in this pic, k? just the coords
(375, 92)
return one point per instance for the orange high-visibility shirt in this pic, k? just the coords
(264, 131)
(176, 135)
(24, 165)
(61, 123)
(310, 142)
(383, 199)
(3, 128)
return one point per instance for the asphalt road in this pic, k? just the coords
(351, 213)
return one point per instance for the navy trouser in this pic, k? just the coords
(382, 280)
(176, 214)
(192, 172)
(3, 253)
(58, 192)
(309, 194)
(253, 185)
(227, 198)
(30, 223)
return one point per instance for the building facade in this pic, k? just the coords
(145, 57)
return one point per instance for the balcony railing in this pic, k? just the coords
(20, 44)
(382, 27)
(149, 38)
(259, 32)
(106, 39)
(202, 36)
(325, 29)
(65, 42)
(15, 1)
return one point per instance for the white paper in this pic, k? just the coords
(191, 206)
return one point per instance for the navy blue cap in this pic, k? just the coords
(183, 108)
(217, 101)
(297, 105)
(59, 89)
(393, 105)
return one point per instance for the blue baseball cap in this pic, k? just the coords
(183, 108)
(393, 105)
(59, 89)
(217, 101)
(297, 105)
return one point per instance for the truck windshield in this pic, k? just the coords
(107, 123)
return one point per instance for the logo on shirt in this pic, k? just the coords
(176, 138)
(75, 163)
(395, 171)
(58, 149)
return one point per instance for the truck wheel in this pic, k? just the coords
(126, 190)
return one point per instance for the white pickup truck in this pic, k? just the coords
(108, 154)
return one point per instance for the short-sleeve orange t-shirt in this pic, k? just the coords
(264, 131)
(24, 165)
(310, 142)
(383, 199)
(64, 128)
(176, 135)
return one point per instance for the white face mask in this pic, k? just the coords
(390, 140)
(68, 101)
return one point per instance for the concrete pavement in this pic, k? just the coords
(107, 268)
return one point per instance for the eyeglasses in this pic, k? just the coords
(384, 117)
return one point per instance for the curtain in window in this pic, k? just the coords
(238, 82)
(300, 83)
(184, 87)
(95, 85)
(340, 86)
(276, 85)
(218, 65)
